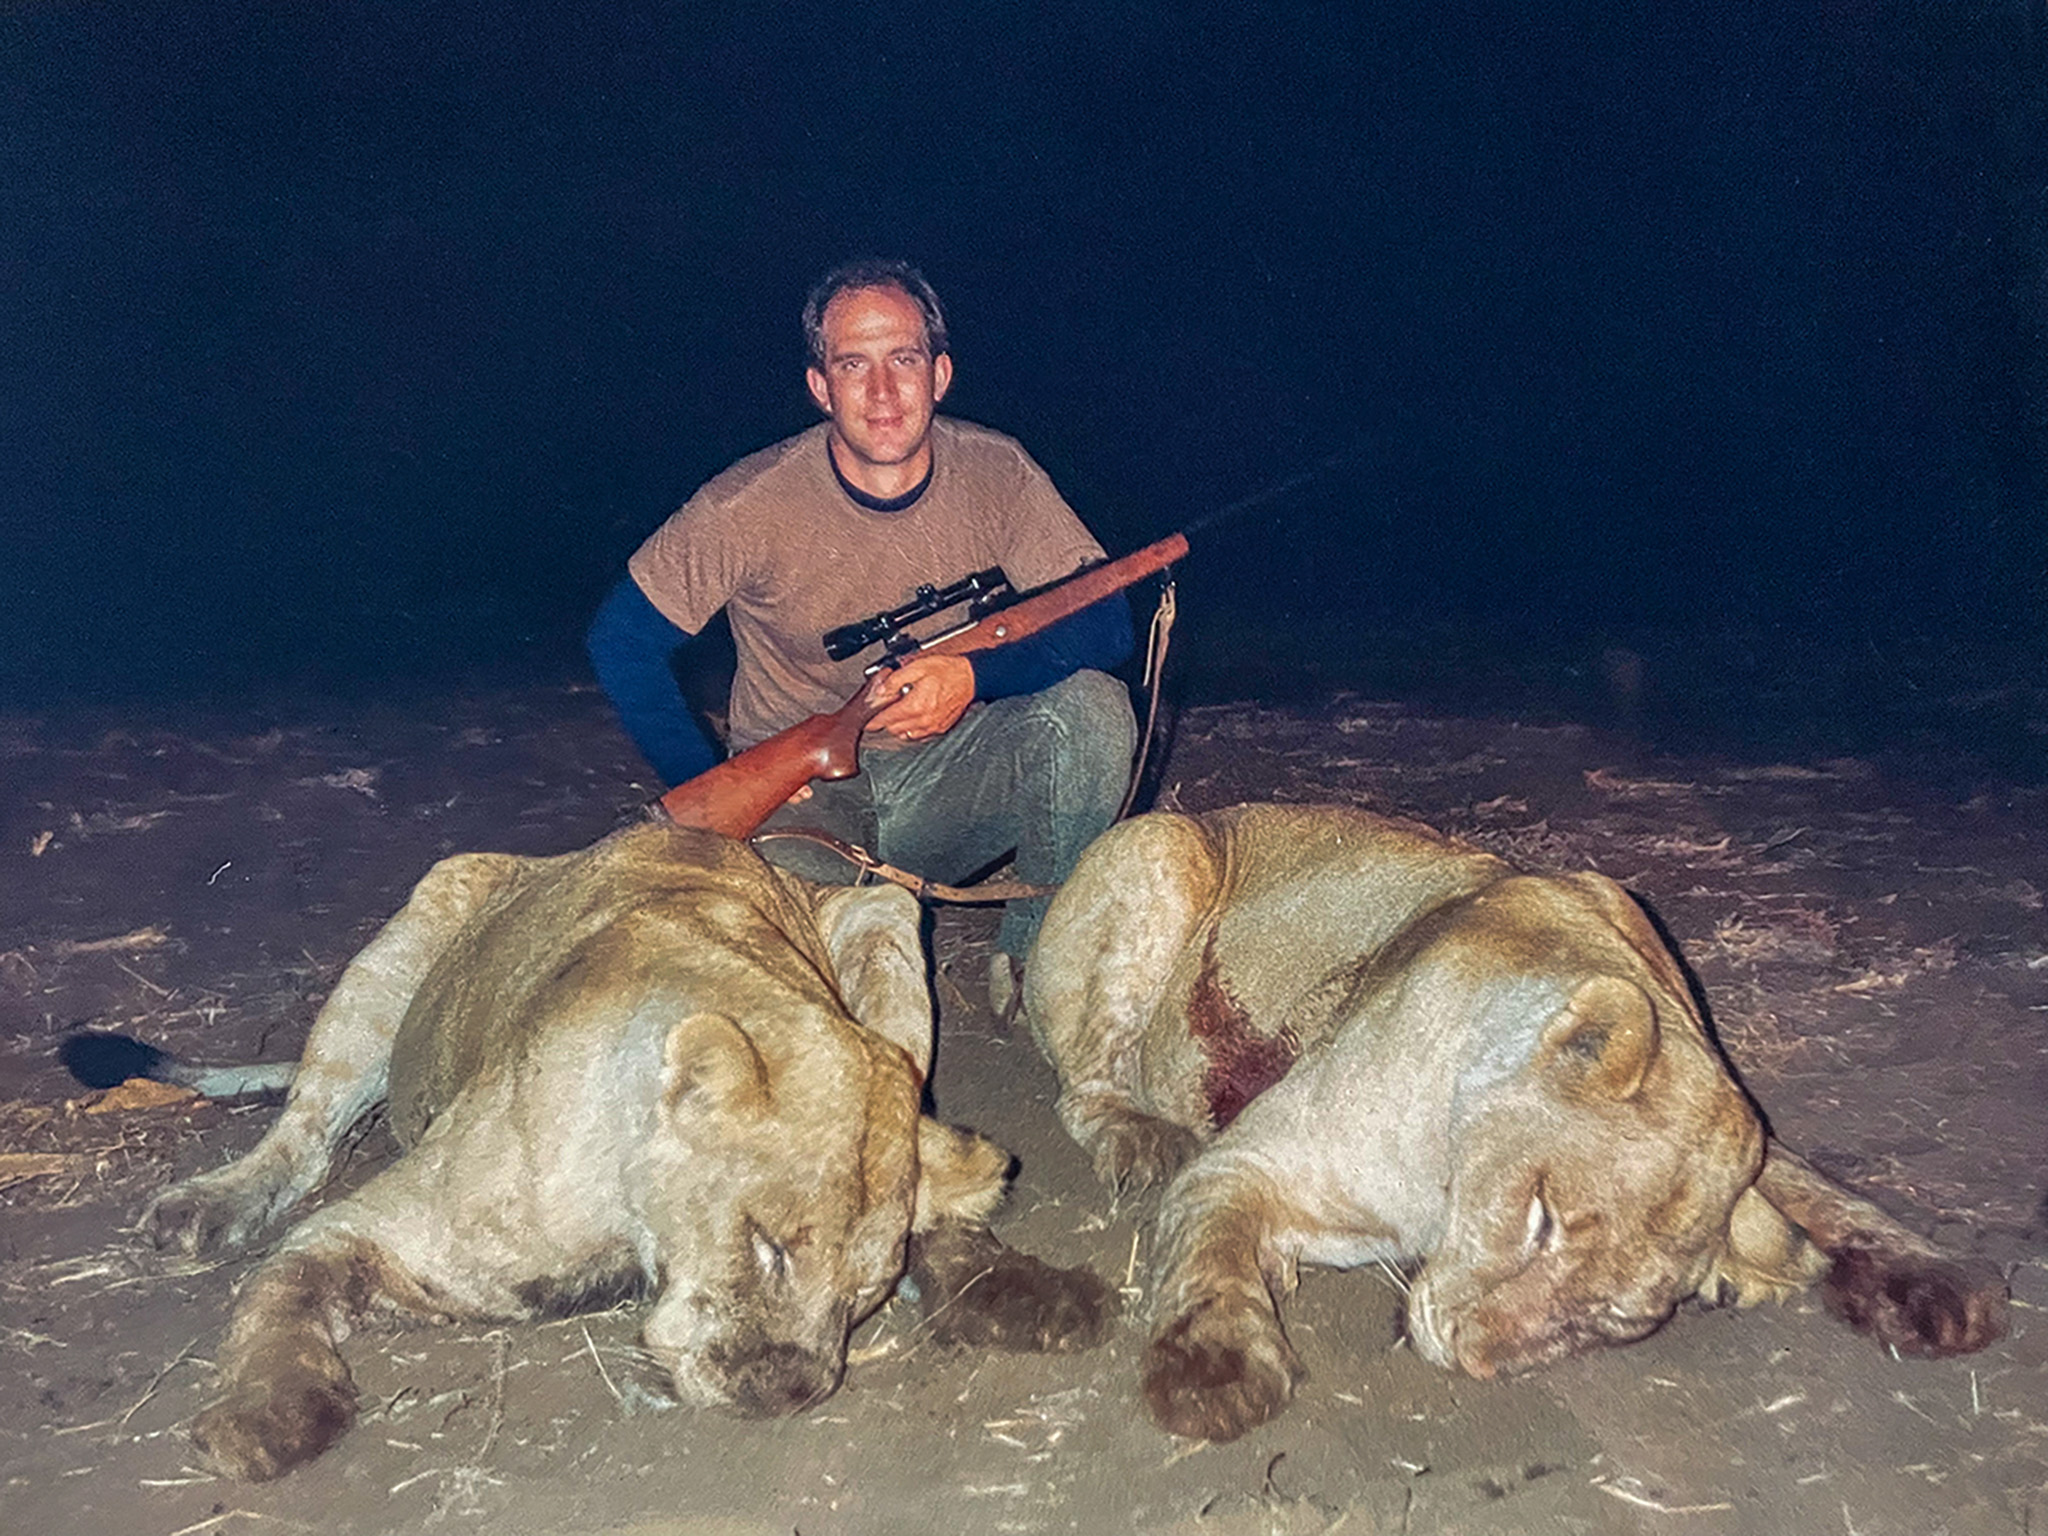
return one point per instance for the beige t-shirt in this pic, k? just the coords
(778, 544)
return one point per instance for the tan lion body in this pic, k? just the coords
(1350, 1039)
(655, 1065)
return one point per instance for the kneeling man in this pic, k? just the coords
(1022, 749)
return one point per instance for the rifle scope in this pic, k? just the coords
(981, 588)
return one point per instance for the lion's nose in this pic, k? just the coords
(780, 1379)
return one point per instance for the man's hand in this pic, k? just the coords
(931, 693)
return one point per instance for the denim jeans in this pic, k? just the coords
(1040, 775)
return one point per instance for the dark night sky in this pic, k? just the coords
(352, 346)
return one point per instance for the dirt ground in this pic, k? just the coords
(1875, 952)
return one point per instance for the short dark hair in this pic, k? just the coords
(873, 273)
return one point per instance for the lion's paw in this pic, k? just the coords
(1216, 1371)
(981, 1293)
(1916, 1305)
(1026, 1305)
(1134, 1152)
(203, 1215)
(264, 1429)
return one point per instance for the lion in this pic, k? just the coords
(1350, 1040)
(656, 1066)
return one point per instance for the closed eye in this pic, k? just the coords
(1542, 1234)
(772, 1257)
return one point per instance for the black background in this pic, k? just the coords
(350, 348)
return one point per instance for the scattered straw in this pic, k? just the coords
(500, 1346)
(867, 1354)
(107, 821)
(1643, 1501)
(1779, 933)
(214, 1522)
(1755, 1037)
(139, 1093)
(604, 1375)
(1872, 980)
(138, 938)
(16, 1167)
(1907, 1403)
(1130, 1290)
(362, 781)
(1607, 781)
(163, 992)
(998, 1491)
(158, 1380)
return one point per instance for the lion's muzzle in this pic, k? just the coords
(772, 1381)
(1499, 1335)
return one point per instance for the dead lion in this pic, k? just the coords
(654, 1065)
(1367, 1042)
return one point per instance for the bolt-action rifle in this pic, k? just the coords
(745, 790)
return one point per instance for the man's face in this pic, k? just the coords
(880, 382)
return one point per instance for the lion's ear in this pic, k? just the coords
(1605, 1037)
(709, 1058)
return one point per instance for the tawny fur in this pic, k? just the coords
(1348, 1040)
(656, 1065)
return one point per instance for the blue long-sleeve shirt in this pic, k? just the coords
(632, 648)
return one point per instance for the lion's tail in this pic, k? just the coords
(100, 1059)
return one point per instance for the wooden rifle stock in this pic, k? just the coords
(746, 789)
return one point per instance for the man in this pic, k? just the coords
(1025, 748)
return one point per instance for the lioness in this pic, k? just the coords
(1368, 1042)
(656, 1064)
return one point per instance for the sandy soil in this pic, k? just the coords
(1876, 954)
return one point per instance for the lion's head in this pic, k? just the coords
(783, 1191)
(1599, 1146)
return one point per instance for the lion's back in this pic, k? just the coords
(1191, 959)
(576, 942)
(1311, 892)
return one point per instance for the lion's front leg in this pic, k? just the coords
(1885, 1280)
(1218, 1362)
(286, 1393)
(342, 1074)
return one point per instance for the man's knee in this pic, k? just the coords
(1095, 728)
